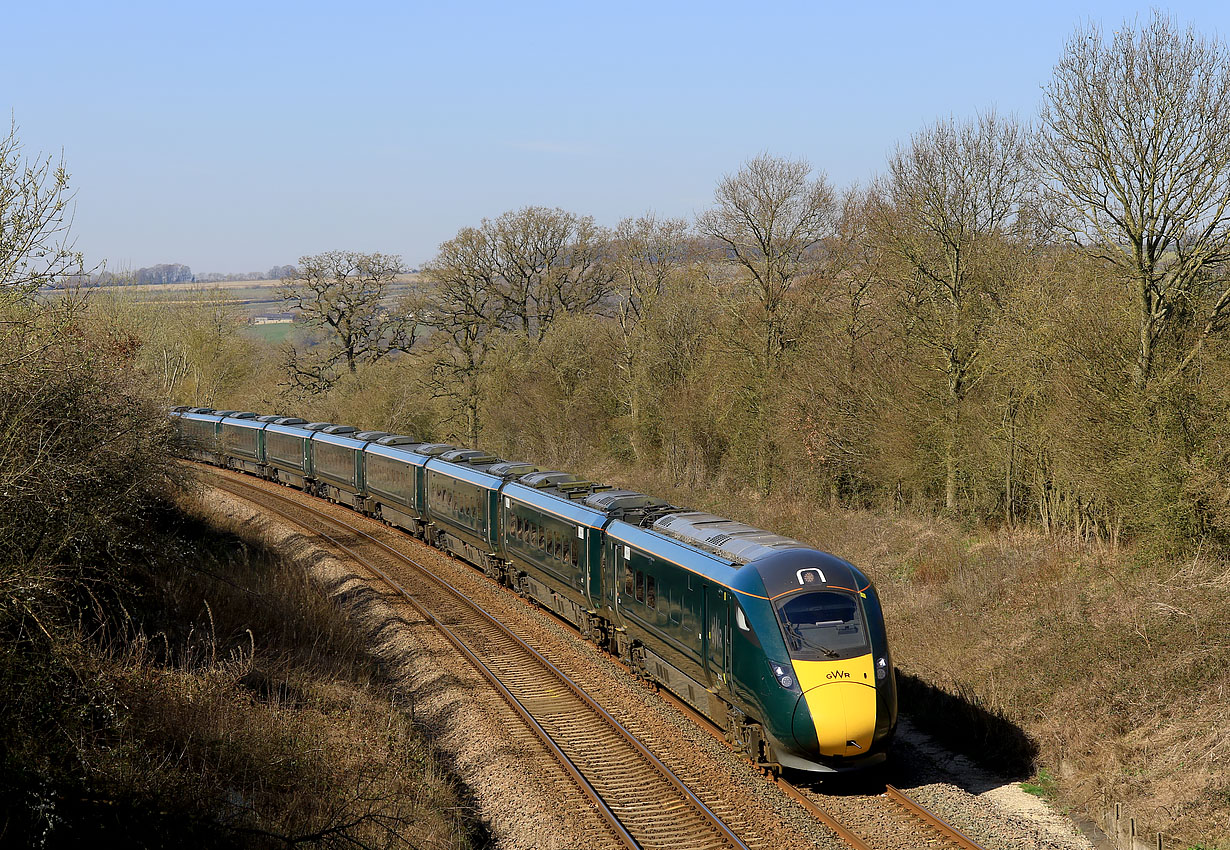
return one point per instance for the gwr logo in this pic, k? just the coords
(838, 674)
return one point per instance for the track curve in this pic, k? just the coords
(644, 803)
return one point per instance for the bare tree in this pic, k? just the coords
(646, 254)
(347, 297)
(466, 310)
(771, 219)
(547, 262)
(948, 204)
(1136, 146)
(35, 218)
(518, 273)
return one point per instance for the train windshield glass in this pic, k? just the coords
(823, 626)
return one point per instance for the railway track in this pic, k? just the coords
(893, 811)
(644, 803)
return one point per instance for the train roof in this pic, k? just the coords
(677, 552)
(291, 426)
(398, 440)
(241, 421)
(736, 541)
(555, 503)
(434, 449)
(464, 473)
(406, 453)
(512, 469)
(628, 505)
(471, 456)
(344, 440)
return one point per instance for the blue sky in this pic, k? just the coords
(235, 136)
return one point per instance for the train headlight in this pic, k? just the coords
(882, 668)
(784, 674)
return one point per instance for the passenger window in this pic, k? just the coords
(629, 580)
(651, 593)
(640, 586)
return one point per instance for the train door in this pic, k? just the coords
(491, 513)
(617, 560)
(717, 636)
(588, 543)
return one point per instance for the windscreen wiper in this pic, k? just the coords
(797, 634)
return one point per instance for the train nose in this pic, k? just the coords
(838, 715)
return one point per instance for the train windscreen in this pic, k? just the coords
(823, 626)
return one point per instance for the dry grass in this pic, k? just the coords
(233, 704)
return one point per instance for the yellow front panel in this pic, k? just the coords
(841, 697)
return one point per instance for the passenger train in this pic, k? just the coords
(779, 644)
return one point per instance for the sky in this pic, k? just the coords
(232, 137)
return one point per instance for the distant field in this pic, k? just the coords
(250, 298)
(270, 334)
(257, 286)
(202, 287)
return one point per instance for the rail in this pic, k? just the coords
(621, 799)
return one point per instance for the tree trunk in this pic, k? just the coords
(1144, 360)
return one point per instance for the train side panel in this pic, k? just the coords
(201, 436)
(337, 466)
(463, 504)
(243, 444)
(665, 601)
(286, 454)
(555, 547)
(394, 486)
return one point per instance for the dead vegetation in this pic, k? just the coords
(224, 702)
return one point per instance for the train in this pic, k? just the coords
(779, 644)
